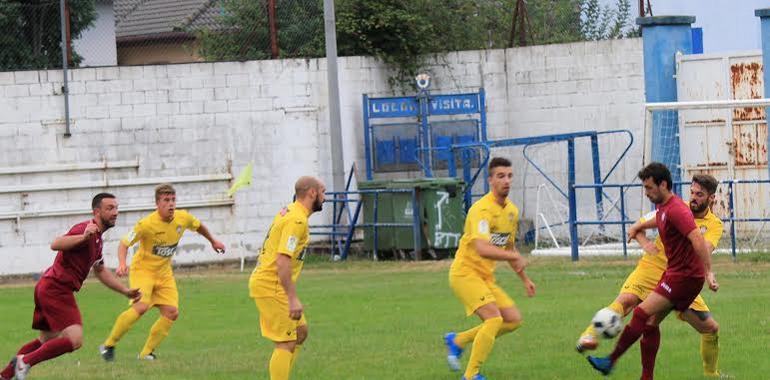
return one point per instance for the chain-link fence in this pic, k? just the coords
(30, 34)
(136, 32)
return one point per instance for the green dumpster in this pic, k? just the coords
(441, 212)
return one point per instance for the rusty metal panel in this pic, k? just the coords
(746, 83)
(750, 144)
(721, 142)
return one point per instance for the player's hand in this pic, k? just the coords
(711, 279)
(134, 294)
(530, 286)
(650, 248)
(632, 231)
(295, 308)
(122, 270)
(218, 246)
(91, 229)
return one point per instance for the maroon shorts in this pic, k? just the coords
(681, 291)
(55, 306)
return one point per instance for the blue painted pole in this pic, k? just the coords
(764, 16)
(374, 217)
(623, 221)
(367, 139)
(732, 218)
(573, 233)
(663, 37)
(597, 178)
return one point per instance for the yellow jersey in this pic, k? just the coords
(158, 240)
(491, 222)
(288, 235)
(710, 226)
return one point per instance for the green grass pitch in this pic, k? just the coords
(385, 321)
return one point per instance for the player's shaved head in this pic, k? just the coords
(304, 184)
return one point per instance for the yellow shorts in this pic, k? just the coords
(644, 279)
(156, 289)
(475, 292)
(274, 319)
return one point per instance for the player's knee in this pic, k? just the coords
(712, 327)
(302, 333)
(76, 341)
(140, 308)
(171, 314)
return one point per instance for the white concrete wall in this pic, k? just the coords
(191, 119)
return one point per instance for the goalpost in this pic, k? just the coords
(727, 139)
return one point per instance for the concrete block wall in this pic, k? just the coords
(206, 118)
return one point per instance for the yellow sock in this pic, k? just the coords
(482, 345)
(294, 355)
(589, 331)
(280, 364)
(463, 338)
(709, 352)
(122, 325)
(617, 307)
(158, 332)
(508, 327)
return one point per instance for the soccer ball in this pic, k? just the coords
(607, 323)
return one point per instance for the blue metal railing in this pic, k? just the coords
(347, 231)
(731, 218)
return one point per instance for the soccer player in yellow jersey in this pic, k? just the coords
(158, 235)
(272, 284)
(488, 237)
(653, 263)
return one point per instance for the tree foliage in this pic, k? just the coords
(31, 37)
(403, 33)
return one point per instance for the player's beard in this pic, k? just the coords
(317, 205)
(696, 208)
(107, 224)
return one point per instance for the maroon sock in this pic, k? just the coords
(49, 350)
(649, 344)
(631, 333)
(8, 371)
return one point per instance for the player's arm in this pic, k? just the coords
(127, 241)
(640, 226)
(110, 281)
(283, 263)
(122, 256)
(518, 267)
(216, 244)
(490, 251)
(647, 245)
(70, 241)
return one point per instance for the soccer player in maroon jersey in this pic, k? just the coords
(689, 266)
(56, 312)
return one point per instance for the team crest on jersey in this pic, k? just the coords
(510, 217)
(663, 217)
(284, 211)
(703, 229)
(499, 239)
(178, 229)
(483, 227)
(291, 243)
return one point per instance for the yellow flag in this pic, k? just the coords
(244, 179)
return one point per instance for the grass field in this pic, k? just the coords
(385, 321)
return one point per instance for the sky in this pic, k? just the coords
(728, 25)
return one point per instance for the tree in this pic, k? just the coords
(31, 37)
(243, 33)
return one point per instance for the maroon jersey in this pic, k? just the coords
(675, 222)
(71, 267)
